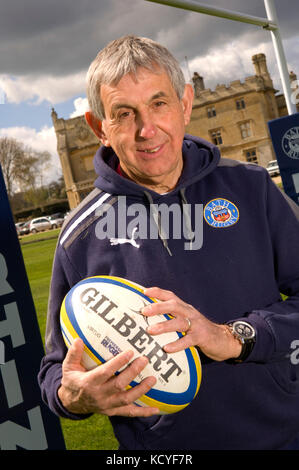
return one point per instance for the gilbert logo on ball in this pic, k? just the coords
(104, 311)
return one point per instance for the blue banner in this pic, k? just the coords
(25, 421)
(285, 138)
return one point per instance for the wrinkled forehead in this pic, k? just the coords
(133, 89)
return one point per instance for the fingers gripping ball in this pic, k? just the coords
(104, 312)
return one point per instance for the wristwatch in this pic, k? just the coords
(245, 333)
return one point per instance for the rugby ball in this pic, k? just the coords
(105, 312)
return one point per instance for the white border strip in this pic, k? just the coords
(83, 216)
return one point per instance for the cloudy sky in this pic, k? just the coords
(46, 47)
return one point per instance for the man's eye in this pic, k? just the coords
(159, 103)
(125, 115)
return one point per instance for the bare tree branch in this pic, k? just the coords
(22, 166)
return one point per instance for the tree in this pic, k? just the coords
(18, 165)
(42, 164)
(56, 189)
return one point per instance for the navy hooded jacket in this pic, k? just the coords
(247, 255)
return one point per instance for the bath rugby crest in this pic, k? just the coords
(220, 213)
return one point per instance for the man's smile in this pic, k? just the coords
(150, 150)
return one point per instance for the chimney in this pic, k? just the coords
(261, 69)
(198, 83)
(53, 115)
(293, 77)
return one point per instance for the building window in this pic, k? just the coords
(216, 137)
(251, 156)
(245, 129)
(88, 163)
(240, 103)
(211, 112)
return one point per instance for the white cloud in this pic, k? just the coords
(42, 140)
(45, 87)
(81, 105)
(227, 63)
(233, 61)
(229, 60)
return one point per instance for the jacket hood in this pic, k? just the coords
(200, 158)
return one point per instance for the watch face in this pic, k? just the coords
(243, 329)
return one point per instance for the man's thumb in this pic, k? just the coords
(74, 355)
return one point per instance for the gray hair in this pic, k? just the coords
(123, 56)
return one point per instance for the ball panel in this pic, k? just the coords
(68, 331)
(180, 399)
(73, 327)
(195, 369)
(165, 408)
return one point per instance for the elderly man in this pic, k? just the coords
(224, 292)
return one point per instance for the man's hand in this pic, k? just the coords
(214, 340)
(100, 390)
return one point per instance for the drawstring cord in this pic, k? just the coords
(157, 219)
(187, 218)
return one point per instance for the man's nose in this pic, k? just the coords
(146, 126)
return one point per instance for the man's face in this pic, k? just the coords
(145, 124)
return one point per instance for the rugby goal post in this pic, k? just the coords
(270, 24)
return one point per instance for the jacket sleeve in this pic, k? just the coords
(63, 278)
(277, 325)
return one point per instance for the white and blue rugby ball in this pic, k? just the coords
(104, 311)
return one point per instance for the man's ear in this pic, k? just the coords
(187, 102)
(97, 128)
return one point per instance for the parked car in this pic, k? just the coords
(56, 219)
(18, 226)
(45, 223)
(273, 168)
(24, 230)
(39, 224)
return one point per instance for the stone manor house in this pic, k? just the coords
(233, 116)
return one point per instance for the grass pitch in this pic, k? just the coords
(94, 433)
